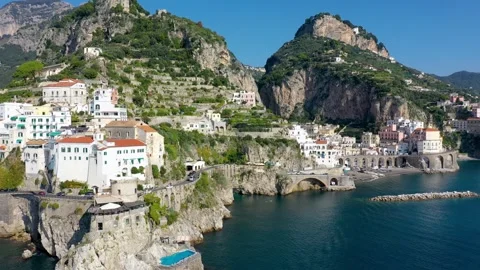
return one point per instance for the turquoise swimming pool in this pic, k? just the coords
(176, 257)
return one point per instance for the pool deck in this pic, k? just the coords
(193, 262)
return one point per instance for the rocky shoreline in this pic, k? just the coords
(425, 196)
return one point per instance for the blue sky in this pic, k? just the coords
(435, 36)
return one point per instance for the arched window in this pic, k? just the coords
(20, 134)
(97, 107)
(35, 156)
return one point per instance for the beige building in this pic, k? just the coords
(370, 140)
(138, 130)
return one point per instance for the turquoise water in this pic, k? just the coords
(343, 230)
(176, 257)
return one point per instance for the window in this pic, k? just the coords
(109, 134)
(70, 158)
(119, 192)
(97, 107)
(127, 221)
(69, 150)
(137, 219)
(20, 134)
(100, 226)
(132, 151)
(85, 150)
(128, 133)
(105, 162)
(105, 153)
(77, 150)
(76, 93)
(79, 158)
(64, 158)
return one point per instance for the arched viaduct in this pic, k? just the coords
(440, 161)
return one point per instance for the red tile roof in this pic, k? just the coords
(64, 83)
(126, 142)
(321, 142)
(473, 119)
(86, 140)
(431, 129)
(146, 128)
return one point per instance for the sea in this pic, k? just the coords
(340, 230)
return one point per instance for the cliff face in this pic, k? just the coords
(330, 27)
(322, 95)
(71, 35)
(16, 15)
(18, 218)
(62, 228)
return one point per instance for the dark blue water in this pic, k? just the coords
(342, 230)
(11, 258)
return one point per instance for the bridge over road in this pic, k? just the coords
(327, 179)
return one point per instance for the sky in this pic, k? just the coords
(434, 36)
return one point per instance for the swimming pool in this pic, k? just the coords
(176, 257)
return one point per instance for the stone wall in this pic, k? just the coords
(133, 219)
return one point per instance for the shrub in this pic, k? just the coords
(140, 187)
(72, 184)
(37, 182)
(53, 206)
(141, 169)
(134, 170)
(43, 205)
(78, 211)
(155, 171)
(44, 182)
(163, 171)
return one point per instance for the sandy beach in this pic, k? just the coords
(463, 157)
(368, 176)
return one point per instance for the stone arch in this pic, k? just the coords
(341, 162)
(449, 161)
(348, 162)
(364, 163)
(334, 182)
(355, 162)
(373, 162)
(309, 184)
(381, 162)
(389, 162)
(425, 162)
(440, 162)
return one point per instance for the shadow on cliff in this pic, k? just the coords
(84, 228)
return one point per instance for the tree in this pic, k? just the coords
(28, 70)
(134, 170)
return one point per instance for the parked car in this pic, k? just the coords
(191, 178)
(41, 193)
(90, 193)
(61, 194)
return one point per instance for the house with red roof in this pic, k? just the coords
(98, 162)
(69, 92)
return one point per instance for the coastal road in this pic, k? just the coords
(185, 181)
(51, 196)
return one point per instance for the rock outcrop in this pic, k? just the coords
(324, 25)
(425, 196)
(18, 218)
(320, 94)
(63, 227)
(18, 14)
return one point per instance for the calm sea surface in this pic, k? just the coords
(315, 230)
(339, 230)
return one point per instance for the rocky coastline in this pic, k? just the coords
(425, 196)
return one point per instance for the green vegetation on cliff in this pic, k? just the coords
(12, 170)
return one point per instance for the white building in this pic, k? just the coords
(66, 92)
(356, 30)
(92, 52)
(97, 162)
(370, 140)
(244, 98)
(10, 109)
(326, 157)
(33, 123)
(213, 116)
(103, 107)
(34, 157)
(202, 125)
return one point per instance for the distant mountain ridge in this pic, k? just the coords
(18, 14)
(463, 79)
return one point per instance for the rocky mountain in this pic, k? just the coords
(124, 30)
(463, 79)
(329, 72)
(329, 26)
(18, 14)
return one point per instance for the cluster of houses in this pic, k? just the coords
(470, 124)
(399, 137)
